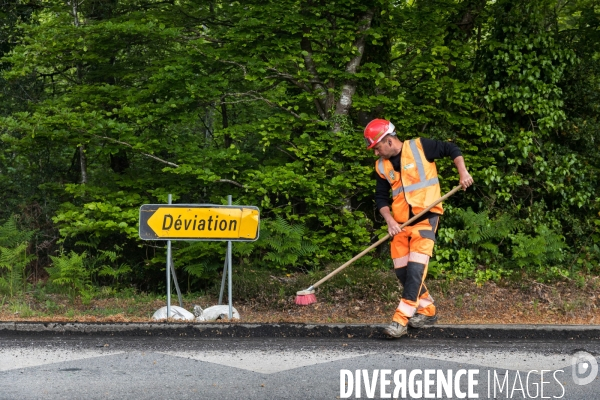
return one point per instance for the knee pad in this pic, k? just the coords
(414, 280)
(401, 274)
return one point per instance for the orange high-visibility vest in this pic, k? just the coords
(417, 183)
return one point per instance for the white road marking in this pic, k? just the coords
(521, 361)
(270, 361)
(15, 358)
(267, 362)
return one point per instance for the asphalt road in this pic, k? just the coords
(120, 365)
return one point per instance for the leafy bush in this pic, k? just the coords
(484, 248)
(270, 111)
(542, 254)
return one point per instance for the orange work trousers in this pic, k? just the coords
(411, 250)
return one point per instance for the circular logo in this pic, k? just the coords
(585, 368)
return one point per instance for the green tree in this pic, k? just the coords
(128, 101)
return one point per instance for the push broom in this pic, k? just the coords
(307, 297)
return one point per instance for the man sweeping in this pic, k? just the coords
(408, 170)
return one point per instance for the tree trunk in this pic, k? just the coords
(343, 105)
(83, 164)
(225, 121)
(82, 157)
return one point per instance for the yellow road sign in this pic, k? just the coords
(198, 222)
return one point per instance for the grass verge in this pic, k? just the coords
(356, 295)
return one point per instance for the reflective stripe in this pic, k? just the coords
(400, 262)
(417, 158)
(381, 168)
(422, 184)
(406, 309)
(425, 301)
(418, 257)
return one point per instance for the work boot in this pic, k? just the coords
(395, 330)
(420, 320)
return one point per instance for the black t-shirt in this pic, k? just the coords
(433, 149)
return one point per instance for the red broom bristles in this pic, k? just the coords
(306, 297)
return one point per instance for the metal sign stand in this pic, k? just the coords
(227, 273)
(237, 223)
(169, 274)
(176, 282)
(169, 268)
(223, 279)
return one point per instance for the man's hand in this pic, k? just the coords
(465, 180)
(394, 227)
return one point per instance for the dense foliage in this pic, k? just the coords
(108, 105)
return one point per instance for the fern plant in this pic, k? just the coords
(69, 271)
(11, 235)
(14, 259)
(537, 252)
(14, 262)
(106, 264)
(200, 260)
(284, 243)
(497, 247)
(103, 263)
(482, 234)
(475, 250)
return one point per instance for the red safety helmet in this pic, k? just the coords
(377, 130)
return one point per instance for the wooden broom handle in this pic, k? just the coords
(386, 237)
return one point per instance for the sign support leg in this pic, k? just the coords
(169, 274)
(223, 279)
(229, 279)
(229, 284)
(176, 282)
